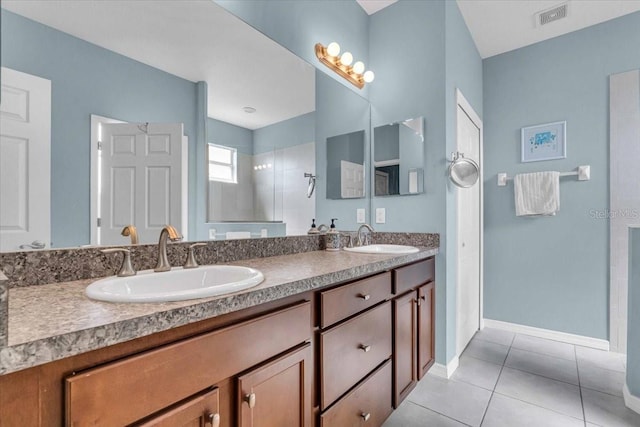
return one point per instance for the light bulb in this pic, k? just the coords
(358, 67)
(368, 76)
(346, 58)
(333, 49)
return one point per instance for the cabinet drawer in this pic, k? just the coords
(368, 404)
(340, 303)
(405, 278)
(127, 390)
(351, 350)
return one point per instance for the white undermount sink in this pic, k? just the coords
(384, 249)
(176, 285)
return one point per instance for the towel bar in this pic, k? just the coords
(582, 172)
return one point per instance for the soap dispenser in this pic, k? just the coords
(313, 229)
(333, 237)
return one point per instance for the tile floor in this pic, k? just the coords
(512, 380)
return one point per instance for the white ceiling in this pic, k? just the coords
(196, 40)
(498, 26)
(372, 6)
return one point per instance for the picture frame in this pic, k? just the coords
(544, 142)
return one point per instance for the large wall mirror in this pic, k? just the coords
(256, 106)
(398, 158)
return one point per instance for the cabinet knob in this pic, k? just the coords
(364, 296)
(214, 420)
(365, 416)
(250, 399)
(365, 348)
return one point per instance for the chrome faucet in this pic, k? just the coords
(360, 230)
(131, 231)
(168, 232)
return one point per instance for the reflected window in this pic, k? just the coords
(223, 164)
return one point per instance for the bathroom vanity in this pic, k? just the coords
(329, 339)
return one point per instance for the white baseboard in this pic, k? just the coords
(443, 371)
(597, 343)
(632, 402)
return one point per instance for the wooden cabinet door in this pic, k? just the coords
(426, 322)
(199, 411)
(405, 328)
(278, 393)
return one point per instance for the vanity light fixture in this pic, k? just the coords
(341, 64)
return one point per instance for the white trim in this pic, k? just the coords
(443, 371)
(462, 102)
(185, 187)
(565, 337)
(632, 402)
(96, 120)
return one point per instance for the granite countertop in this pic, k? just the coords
(54, 321)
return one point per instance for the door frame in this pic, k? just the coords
(462, 103)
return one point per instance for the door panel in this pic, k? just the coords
(426, 319)
(279, 393)
(405, 325)
(468, 243)
(141, 179)
(25, 160)
(200, 411)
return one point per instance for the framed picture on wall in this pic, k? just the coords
(544, 142)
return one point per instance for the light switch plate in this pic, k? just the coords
(360, 216)
(381, 215)
(212, 234)
(263, 232)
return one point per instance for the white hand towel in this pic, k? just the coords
(537, 193)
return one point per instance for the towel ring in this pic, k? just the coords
(463, 172)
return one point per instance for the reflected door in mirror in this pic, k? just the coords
(25, 121)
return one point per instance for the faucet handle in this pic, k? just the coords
(126, 269)
(191, 258)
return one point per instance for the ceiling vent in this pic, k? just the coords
(550, 15)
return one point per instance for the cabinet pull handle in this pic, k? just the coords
(417, 301)
(364, 296)
(214, 420)
(250, 399)
(365, 416)
(365, 348)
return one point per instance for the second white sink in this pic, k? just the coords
(176, 285)
(384, 249)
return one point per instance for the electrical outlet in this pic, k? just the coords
(381, 215)
(360, 216)
(263, 232)
(212, 234)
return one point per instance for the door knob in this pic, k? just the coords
(214, 420)
(251, 400)
(36, 244)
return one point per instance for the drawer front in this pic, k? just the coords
(351, 350)
(146, 383)
(342, 302)
(368, 404)
(411, 276)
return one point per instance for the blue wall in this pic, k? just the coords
(223, 133)
(422, 51)
(87, 79)
(633, 331)
(553, 272)
(295, 131)
(339, 111)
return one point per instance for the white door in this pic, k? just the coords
(351, 180)
(469, 233)
(141, 180)
(25, 161)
